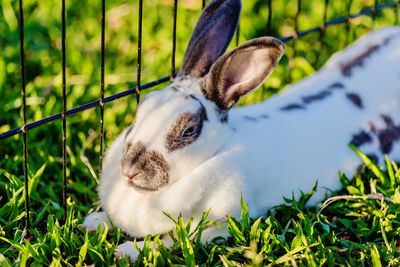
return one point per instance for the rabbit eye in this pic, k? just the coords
(189, 131)
(186, 130)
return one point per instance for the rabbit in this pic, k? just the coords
(189, 150)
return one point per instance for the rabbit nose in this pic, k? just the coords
(130, 162)
(143, 169)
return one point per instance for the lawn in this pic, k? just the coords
(351, 231)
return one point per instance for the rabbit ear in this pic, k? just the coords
(211, 36)
(241, 70)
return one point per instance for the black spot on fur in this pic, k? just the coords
(388, 136)
(387, 40)
(388, 120)
(316, 97)
(224, 118)
(348, 67)
(355, 99)
(358, 61)
(292, 106)
(336, 85)
(250, 118)
(360, 139)
(191, 96)
(222, 114)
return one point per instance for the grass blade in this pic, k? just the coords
(376, 259)
(378, 172)
(186, 244)
(245, 219)
(234, 230)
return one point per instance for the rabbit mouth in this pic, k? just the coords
(140, 183)
(129, 179)
(131, 183)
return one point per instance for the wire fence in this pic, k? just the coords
(373, 10)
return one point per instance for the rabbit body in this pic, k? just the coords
(190, 151)
(272, 152)
(302, 134)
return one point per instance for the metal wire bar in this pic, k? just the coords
(268, 30)
(322, 33)
(396, 13)
(376, 2)
(267, 33)
(237, 34)
(296, 29)
(348, 22)
(63, 116)
(24, 128)
(203, 4)
(374, 12)
(339, 20)
(83, 107)
(139, 53)
(171, 77)
(96, 103)
(101, 103)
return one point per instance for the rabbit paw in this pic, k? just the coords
(94, 219)
(127, 249)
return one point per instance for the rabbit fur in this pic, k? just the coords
(189, 150)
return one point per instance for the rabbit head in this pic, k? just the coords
(178, 128)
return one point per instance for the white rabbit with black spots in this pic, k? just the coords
(189, 150)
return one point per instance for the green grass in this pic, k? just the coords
(347, 232)
(360, 230)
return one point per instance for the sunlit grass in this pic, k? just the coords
(360, 228)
